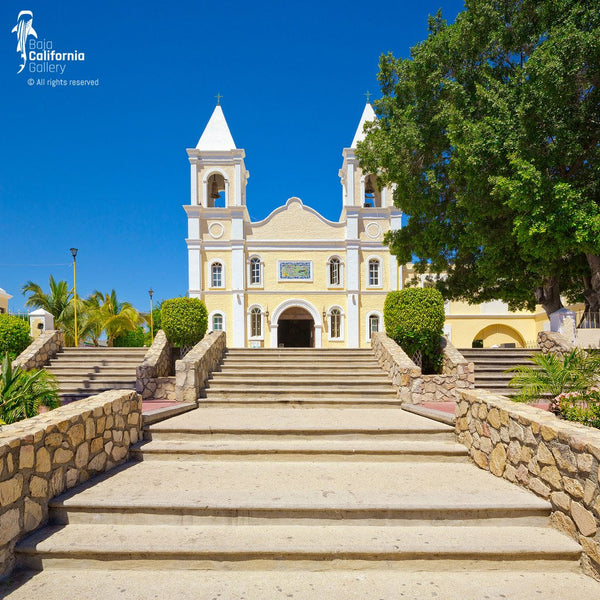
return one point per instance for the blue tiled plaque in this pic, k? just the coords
(295, 270)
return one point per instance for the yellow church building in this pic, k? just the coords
(296, 279)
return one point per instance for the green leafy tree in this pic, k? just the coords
(490, 132)
(414, 319)
(184, 321)
(14, 335)
(23, 392)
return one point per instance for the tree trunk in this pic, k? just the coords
(592, 289)
(548, 295)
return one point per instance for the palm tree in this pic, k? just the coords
(551, 374)
(55, 302)
(23, 392)
(115, 317)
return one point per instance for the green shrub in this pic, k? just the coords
(414, 319)
(131, 339)
(184, 320)
(14, 335)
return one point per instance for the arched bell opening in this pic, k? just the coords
(372, 196)
(216, 191)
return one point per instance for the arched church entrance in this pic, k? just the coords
(295, 328)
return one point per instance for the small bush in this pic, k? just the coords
(184, 320)
(131, 339)
(14, 335)
(582, 407)
(414, 319)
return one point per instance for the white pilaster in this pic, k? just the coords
(194, 181)
(238, 184)
(350, 185)
(318, 336)
(239, 320)
(238, 273)
(352, 314)
(194, 271)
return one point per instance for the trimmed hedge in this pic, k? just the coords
(184, 320)
(414, 319)
(131, 339)
(14, 335)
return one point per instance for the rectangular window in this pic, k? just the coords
(374, 272)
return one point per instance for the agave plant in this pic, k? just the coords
(23, 392)
(554, 374)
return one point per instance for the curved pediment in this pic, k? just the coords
(295, 221)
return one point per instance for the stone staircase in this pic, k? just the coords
(299, 476)
(491, 364)
(83, 372)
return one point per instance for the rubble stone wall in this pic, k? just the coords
(555, 459)
(412, 386)
(156, 366)
(43, 456)
(41, 350)
(192, 371)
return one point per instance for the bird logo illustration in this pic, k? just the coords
(24, 29)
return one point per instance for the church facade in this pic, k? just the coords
(294, 279)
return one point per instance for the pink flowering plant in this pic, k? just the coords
(580, 406)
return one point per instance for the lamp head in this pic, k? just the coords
(74, 252)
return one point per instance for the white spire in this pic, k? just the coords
(216, 135)
(368, 115)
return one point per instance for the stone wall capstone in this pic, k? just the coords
(43, 456)
(551, 342)
(153, 375)
(192, 371)
(412, 386)
(555, 459)
(41, 350)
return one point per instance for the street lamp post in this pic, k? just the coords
(151, 293)
(74, 253)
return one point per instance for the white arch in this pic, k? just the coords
(292, 303)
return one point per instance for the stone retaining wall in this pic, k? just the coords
(41, 350)
(551, 342)
(415, 388)
(43, 456)
(557, 460)
(192, 371)
(157, 364)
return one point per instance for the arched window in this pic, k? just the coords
(373, 325)
(335, 271)
(217, 322)
(256, 322)
(216, 275)
(374, 274)
(335, 323)
(255, 271)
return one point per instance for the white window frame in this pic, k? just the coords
(379, 285)
(212, 315)
(210, 274)
(262, 322)
(340, 284)
(373, 313)
(342, 336)
(261, 272)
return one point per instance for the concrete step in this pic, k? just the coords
(317, 423)
(354, 352)
(79, 361)
(303, 365)
(286, 449)
(294, 389)
(235, 381)
(96, 385)
(217, 546)
(299, 492)
(306, 371)
(384, 583)
(83, 371)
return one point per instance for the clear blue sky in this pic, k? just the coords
(104, 168)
